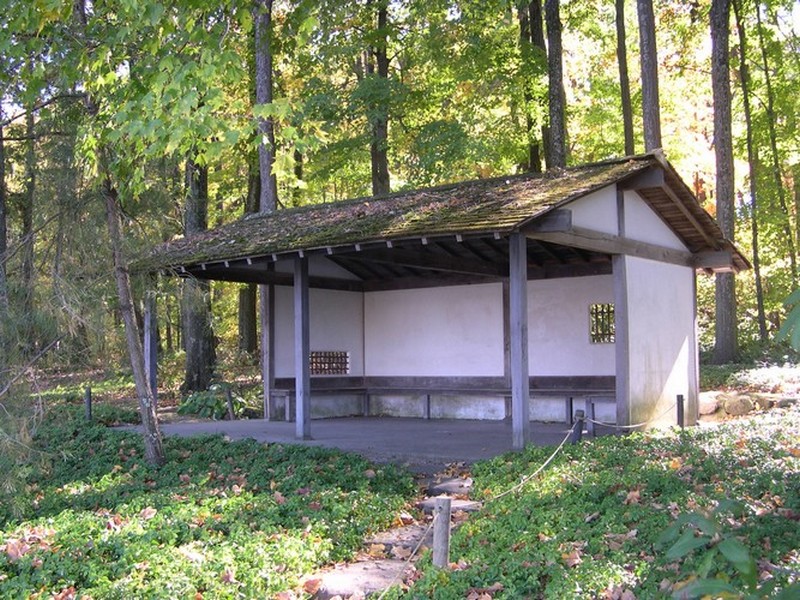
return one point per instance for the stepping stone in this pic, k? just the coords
(427, 505)
(402, 537)
(361, 579)
(453, 485)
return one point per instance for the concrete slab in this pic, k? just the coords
(422, 445)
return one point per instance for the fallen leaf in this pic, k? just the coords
(279, 498)
(148, 513)
(184, 478)
(376, 550)
(16, 549)
(302, 491)
(315, 505)
(675, 464)
(591, 517)
(311, 586)
(633, 497)
(572, 559)
(369, 474)
(401, 552)
(227, 576)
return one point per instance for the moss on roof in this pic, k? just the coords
(486, 205)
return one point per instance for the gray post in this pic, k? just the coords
(577, 431)
(518, 318)
(302, 350)
(229, 402)
(87, 403)
(266, 309)
(680, 411)
(151, 342)
(441, 532)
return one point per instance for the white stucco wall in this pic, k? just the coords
(661, 340)
(337, 323)
(558, 326)
(597, 211)
(443, 331)
(643, 225)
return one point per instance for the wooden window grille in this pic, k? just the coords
(601, 323)
(330, 362)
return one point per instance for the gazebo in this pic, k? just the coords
(496, 298)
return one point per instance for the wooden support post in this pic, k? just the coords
(266, 310)
(577, 431)
(87, 403)
(151, 342)
(621, 340)
(680, 411)
(302, 350)
(441, 532)
(518, 321)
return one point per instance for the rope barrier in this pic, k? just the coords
(407, 560)
(635, 426)
(539, 470)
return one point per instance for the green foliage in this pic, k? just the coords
(213, 403)
(592, 524)
(220, 519)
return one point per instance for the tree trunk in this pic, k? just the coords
(379, 122)
(3, 228)
(651, 109)
(725, 323)
(153, 447)
(534, 163)
(27, 221)
(248, 332)
(624, 80)
(540, 55)
(555, 94)
(268, 198)
(777, 172)
(197, 331)
(753, 162)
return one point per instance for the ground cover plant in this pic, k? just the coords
(221, 519)
(677, 513)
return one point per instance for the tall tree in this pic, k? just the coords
(725, 319)
(529, 60)
(378, 73)
(753, 164)
(624, 80)
(651, 108)
(777, 171)
(268, 198)
(248, 331)
(26, 211)
(555, 95)
(3, 225)
(198, 334)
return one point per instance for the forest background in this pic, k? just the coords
(162, 117)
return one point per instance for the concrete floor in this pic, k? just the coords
(420, 444)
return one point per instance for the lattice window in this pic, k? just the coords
(330, 362)
(601, 323)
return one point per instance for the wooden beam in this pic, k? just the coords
(718, 261)
(151, 342)
(518, 323)
(555, 220)
(257, 274)
(431, 261)
(596, 241)
(302, 350)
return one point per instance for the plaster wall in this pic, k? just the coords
(445, 331)
(596, 211)
(644, 225)
(661, 343)
(558, 326)
(337, 323)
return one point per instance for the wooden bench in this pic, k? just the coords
(591, 389)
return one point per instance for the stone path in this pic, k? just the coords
(388, 557)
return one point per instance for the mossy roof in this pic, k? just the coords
(497, 205)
